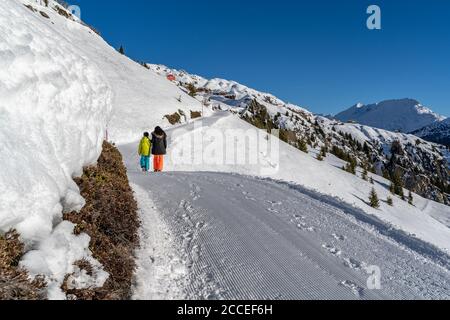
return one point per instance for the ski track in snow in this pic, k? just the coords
(240, 237)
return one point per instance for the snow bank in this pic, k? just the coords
(164, 275)
(54, 107)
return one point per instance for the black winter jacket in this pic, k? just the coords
(159, 144)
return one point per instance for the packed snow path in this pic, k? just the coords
(236, 237)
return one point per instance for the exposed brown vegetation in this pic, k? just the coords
(173, 118)
(192, 89)
(29, 6)
(110, 219)
(44, 14)
(196, 114)
(63, 12)
(14, 281)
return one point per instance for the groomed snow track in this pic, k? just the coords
(246, 238)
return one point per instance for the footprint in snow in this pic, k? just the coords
(274, 203)
(303, 226)
(353, 264)
(332, 250)
(357, 290)
(200, 225)
(338, 237)
(195, 192)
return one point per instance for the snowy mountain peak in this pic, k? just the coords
(404, 115)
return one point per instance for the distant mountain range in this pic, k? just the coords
(404, 115)
(438, 132)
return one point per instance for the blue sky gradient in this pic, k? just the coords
(318, 54)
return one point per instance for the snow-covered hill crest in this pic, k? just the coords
(404, 115)
(220, 93)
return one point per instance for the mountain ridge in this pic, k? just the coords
(402, 115)
(438, 132)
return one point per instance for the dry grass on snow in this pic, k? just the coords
(110, 218)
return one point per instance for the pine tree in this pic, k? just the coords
(366, 149)
(303, 146)
(390, 201)
(397, 148)
(319, 157)
(392, 188)
(374, 201)
(351, 166)
(410, 198)
(365, 174)
(121, 50)
(324, 151)
(398, 185)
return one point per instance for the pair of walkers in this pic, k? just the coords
(155, 146)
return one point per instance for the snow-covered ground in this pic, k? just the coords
(236, 237)
(234, 234)
(190, 150)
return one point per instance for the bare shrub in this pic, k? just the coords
(14, 281)
(110, 218)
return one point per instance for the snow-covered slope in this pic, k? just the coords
(422, 165)
(438, 132)
(404, 115)
(54, 107)
(192, 148)
(229, 236)
(220, 93)
(141, 98)
(188, 142)
(327, 177)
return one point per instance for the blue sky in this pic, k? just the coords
(318, 54)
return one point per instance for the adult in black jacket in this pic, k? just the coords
(159, 148)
